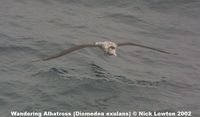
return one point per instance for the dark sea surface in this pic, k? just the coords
(88, 80)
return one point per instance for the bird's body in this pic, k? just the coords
(107, 46)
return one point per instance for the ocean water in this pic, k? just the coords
(88, 80)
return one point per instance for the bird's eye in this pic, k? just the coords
(112, 47)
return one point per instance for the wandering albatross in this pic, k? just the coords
(107, 46)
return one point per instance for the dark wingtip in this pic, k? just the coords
(170, 53)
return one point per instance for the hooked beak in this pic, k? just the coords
(115, 54)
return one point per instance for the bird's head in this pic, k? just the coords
(112, 50)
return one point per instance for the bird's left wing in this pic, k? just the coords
(64, 52)
(143, 46)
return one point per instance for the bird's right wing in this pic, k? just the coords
(64, 52)
(143, 46)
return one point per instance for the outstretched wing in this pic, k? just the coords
(143, 46)
(64, 52)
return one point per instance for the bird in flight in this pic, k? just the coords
(107, 46)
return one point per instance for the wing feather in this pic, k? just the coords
(67, 51)
(143, 46)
